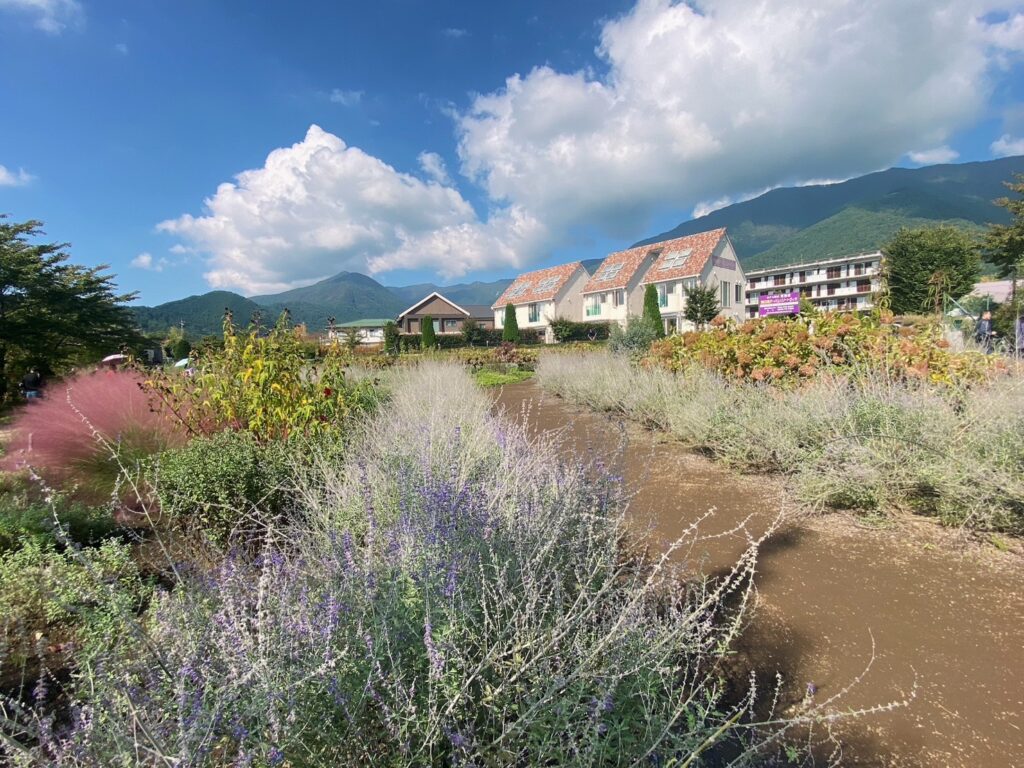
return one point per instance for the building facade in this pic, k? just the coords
(368, 331)
(845, 284)
(543, 295)
(707, 259)
(447, 316)
(614, 292)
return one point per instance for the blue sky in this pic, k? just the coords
(455, 141)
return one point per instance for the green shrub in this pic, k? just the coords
(181, 349)
(85, 597)
(263, 383)
(215, 483)
(570, 330)
(636, 338)
(23, 519)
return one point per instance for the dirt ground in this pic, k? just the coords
(918, 622)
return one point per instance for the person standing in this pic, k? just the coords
(983, 331)
(31, 384)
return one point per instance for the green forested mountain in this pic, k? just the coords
(852, 230)
(796, 223)
(202, 315)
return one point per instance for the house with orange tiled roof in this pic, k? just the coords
(542, 295)
(614, 291)
(707, 259)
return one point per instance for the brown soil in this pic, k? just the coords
(925, 614)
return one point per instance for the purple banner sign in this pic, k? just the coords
(779, 304)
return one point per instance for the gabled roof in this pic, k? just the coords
(479, 310)
(683, 256)
(366, 323)
(539, 285)
(618, 268)
(434, 295)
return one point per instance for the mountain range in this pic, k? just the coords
(781, 226)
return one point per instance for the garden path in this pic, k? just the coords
(947, 620)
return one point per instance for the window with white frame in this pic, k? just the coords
(739, 296)
(534, 313)
(726, 294)
(618, 298)
(662, 295)
(593, 305)
(548, 283)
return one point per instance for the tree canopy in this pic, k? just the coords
(1004, 243)
(52, 313)
(701, 305)
(923, 265)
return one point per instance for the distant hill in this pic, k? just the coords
(346, 296)
(462, 293)
(796, 223)
(203, 315)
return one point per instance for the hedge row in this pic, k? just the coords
(484, 337)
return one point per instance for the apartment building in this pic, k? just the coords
(844, 284)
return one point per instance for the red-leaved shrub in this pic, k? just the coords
(58, 436)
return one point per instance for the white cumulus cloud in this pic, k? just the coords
(1007, 145)
(716, 99)
(51, 16)
(943, 154)
(14, 179)
(321, 206)
(147, 262)
(434, 167)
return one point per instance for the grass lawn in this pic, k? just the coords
(487, 378)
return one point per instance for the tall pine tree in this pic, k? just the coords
(428, 339)
(511, 330)
(652, 310)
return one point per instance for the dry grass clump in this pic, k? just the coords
(870, 442)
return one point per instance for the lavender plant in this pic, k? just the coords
(453, 595)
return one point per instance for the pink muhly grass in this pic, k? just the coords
(55, 436)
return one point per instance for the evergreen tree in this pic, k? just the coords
(181, 349)
(391, 337)
(701, 305)
(1004, 243)
(429, 338)
(511, 330)
(54, 314)
(923, 265)
(652, 310)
